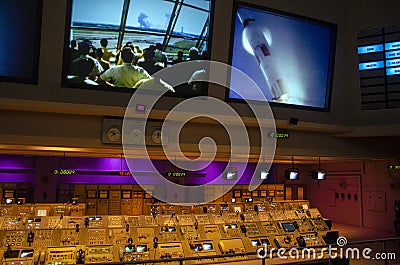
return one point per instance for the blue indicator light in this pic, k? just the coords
(370, 65)
(392, 45)
(393, 71)
(370, 49)
(392, 54)
(391, 63)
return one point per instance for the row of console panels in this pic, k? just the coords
(100, 239)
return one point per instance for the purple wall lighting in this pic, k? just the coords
(84, 170)
(17, 168)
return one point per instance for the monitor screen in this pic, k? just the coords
(20, 28)
(231, 226)
(292, 174)
(197, 247)
(26, 253)
(265, 241)
(158, 35)
(288, 227)
(20, 200)
(129, 249)
(264, 174)
(319, 174)
(9, 200)
(288, 56)
(208, 246)
(141, 248)
(230, 173)
(13, 254)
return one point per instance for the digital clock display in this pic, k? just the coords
(120, 173)
(392, 167)
(64, 171)
(176, 174)
(279, 135)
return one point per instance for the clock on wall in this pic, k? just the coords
(156, 136)
(112, 131)
(114, 134)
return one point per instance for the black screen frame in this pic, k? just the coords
(33, 80)
(331, 64)
(125, 90)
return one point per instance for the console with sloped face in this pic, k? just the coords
(113, 238)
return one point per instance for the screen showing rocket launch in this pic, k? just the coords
(290, 58)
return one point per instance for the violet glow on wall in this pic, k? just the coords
(17, 162)
(17, 168)
(97, 171)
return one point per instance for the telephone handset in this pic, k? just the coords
(301, 241)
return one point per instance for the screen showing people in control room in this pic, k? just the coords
(119, 44)
(20, 28)
(289, 57)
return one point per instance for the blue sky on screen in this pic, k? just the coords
(142, 14)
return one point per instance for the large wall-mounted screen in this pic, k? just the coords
(289, 57)
(20, 28)
(158, 34)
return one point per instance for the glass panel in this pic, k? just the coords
(204, 4)
(97, 13)
(191, 21)
(153, 17)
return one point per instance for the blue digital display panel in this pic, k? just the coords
(392, 54)
(371, 65)
(379, 58)
(393, 71)
(392, 63)
(370, 49)
(392, 45)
